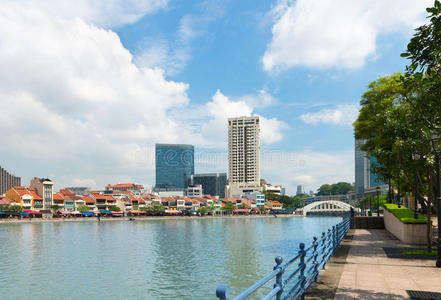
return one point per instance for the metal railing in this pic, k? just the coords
(310, 261)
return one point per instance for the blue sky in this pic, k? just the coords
(90, 87)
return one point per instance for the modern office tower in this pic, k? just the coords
(213, 184)
(7, 181)
(366, 182)
(299, 190)
(243, 155)
(174, 166)
(44, 187)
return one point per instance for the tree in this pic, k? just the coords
(5, 207)
(114, 208)
(229, 207)
(83, 208)
(340, 188)
(56, 207)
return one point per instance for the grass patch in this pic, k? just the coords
(404, 214)
(419, 252)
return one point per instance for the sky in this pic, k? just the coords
(88, 87)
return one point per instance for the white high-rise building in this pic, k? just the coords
(243, 155)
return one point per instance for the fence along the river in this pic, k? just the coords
(310, 261)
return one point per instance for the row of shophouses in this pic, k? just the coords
(29, 199)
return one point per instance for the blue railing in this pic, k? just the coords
(310, 261)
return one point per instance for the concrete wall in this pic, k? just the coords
(364, 222)
(413, 234)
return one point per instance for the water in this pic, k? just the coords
(156, 259)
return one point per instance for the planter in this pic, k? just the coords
(412, 234)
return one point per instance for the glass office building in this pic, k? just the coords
(213, 184)
(174, 166)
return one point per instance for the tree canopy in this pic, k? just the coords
(340, 188)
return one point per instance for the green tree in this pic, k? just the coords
(340, 188)
(83, 208)
(56, 207)
(229, 206)
(114, 208)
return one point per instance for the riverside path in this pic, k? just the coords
(370, 265)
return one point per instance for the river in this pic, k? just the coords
(146, 259)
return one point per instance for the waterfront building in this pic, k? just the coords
(243, 155)
(194, 190)
(7, 181)
(259, 199)
(213, 184)
(22, 196)
(275, 189)
(174, 166)
(366, 182)
(274, 204)
(89, 202)
(58, 199)
(132, 187)
(44, 188)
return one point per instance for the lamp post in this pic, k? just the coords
(378, 201)
(436, 146)
(415, 157)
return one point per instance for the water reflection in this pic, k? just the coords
(159, 259)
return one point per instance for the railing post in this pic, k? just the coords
(315, 262)
(302, 266)
(223, 291)
(324, 248)
(279, 282)
(338, 237)
(334, 238)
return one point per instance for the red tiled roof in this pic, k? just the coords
(88, 200)
(58, 196)
(5, 201)
(35, 196)
(67, 192)
(124, 185)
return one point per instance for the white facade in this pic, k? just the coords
(276, 189)
(194, 190)
(243, 155)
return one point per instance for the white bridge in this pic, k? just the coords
(325, 207)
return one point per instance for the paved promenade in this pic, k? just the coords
(369, 265)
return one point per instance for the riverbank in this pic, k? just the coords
(371, 265)
(135, 219)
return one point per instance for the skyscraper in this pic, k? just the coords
(174, 166)
(213, 184)
(7, 181)
(366, 182)
(243, 155)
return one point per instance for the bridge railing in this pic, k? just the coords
(310, 260)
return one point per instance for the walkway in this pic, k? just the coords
(369, 265)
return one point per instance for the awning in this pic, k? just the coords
(75, 213)
(87, 213)
(173, 212)
(2, 213)
(242, 210)
(64, 212)
(104, 211)
(117, 213)
(32, 212)
(25, 214)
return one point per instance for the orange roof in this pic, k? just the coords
(67, 192)
(125, 185)
(88, 200)
(58, 196)
(19, 188)
(275, 203)
(35, 196)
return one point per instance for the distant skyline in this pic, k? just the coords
(88, 88)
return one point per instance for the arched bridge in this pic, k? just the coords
(328, 206)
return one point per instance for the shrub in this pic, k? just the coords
(404, 214)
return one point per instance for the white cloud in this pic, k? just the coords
(308, 168)
(221, 108)
(335, 33)
(73, 100)
(173, 55)
(106, 13)
(343, 115)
